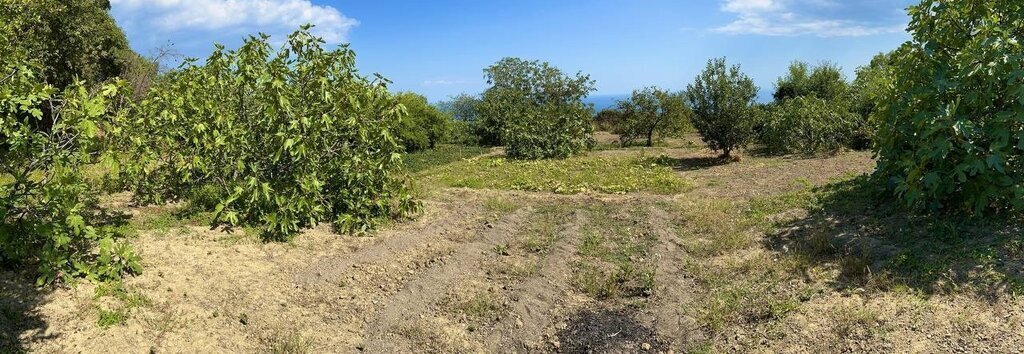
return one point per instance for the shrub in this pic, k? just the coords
(825, 81)
(424, 126)
(820, 121)
(537, 111)
(283, 139)
(950, 127)
(807, 125)
(652, 111)
(722, 100)
(47, 210)
(608, 120)
(465, 127)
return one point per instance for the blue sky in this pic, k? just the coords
(439, 48)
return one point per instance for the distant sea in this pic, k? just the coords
(605, 101)
(611, 101)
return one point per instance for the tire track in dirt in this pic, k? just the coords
(415, 302)
(674, 288)
(540, 301)
(347, 289)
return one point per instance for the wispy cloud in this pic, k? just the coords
(275, 17)
(798, 18)
(443, 82)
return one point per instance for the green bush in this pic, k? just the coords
(825, 81)
(866, 89)
(652, 113)
(48, 214)
(951, 120)
(820, 120)
(536, 110)
(608, 120)
(285, 139)
(466, 126)
(722, 100)
(807, 125)
(424, 126)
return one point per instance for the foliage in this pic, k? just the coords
(807, 125)
(870, 83)
(283, 140)
(812, 112)
(424, 127)
(866, 89)
(47, 210)
(72, 39)
(825, 81)
(536, 110)
(608, 120)
(465, 127)
(579, 174)
(722, 100)
(951, 121)
(652, 111)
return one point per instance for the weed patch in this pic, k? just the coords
(614, 255)
(115, 304)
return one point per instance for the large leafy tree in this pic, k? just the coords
(535, 110)
(652, 112)
(951, 119)
(71, 39)
(722, 100)
(280, 139)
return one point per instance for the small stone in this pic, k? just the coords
(519, 323)
(645, 346)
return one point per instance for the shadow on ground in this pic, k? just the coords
(691, 163)
(20, 323)
(607, 331)
(876, 244)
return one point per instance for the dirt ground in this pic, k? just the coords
(485, 271)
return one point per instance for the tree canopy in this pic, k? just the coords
(652, 112)
(536, 110)
(722, 99)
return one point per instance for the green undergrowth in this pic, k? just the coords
(440, 156)
(574, 175)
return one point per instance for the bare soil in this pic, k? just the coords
(467, 277)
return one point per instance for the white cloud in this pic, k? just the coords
(274, 17)
(443, 82)
(750, 5)
(791, 18)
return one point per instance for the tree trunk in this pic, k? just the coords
(650, 140)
